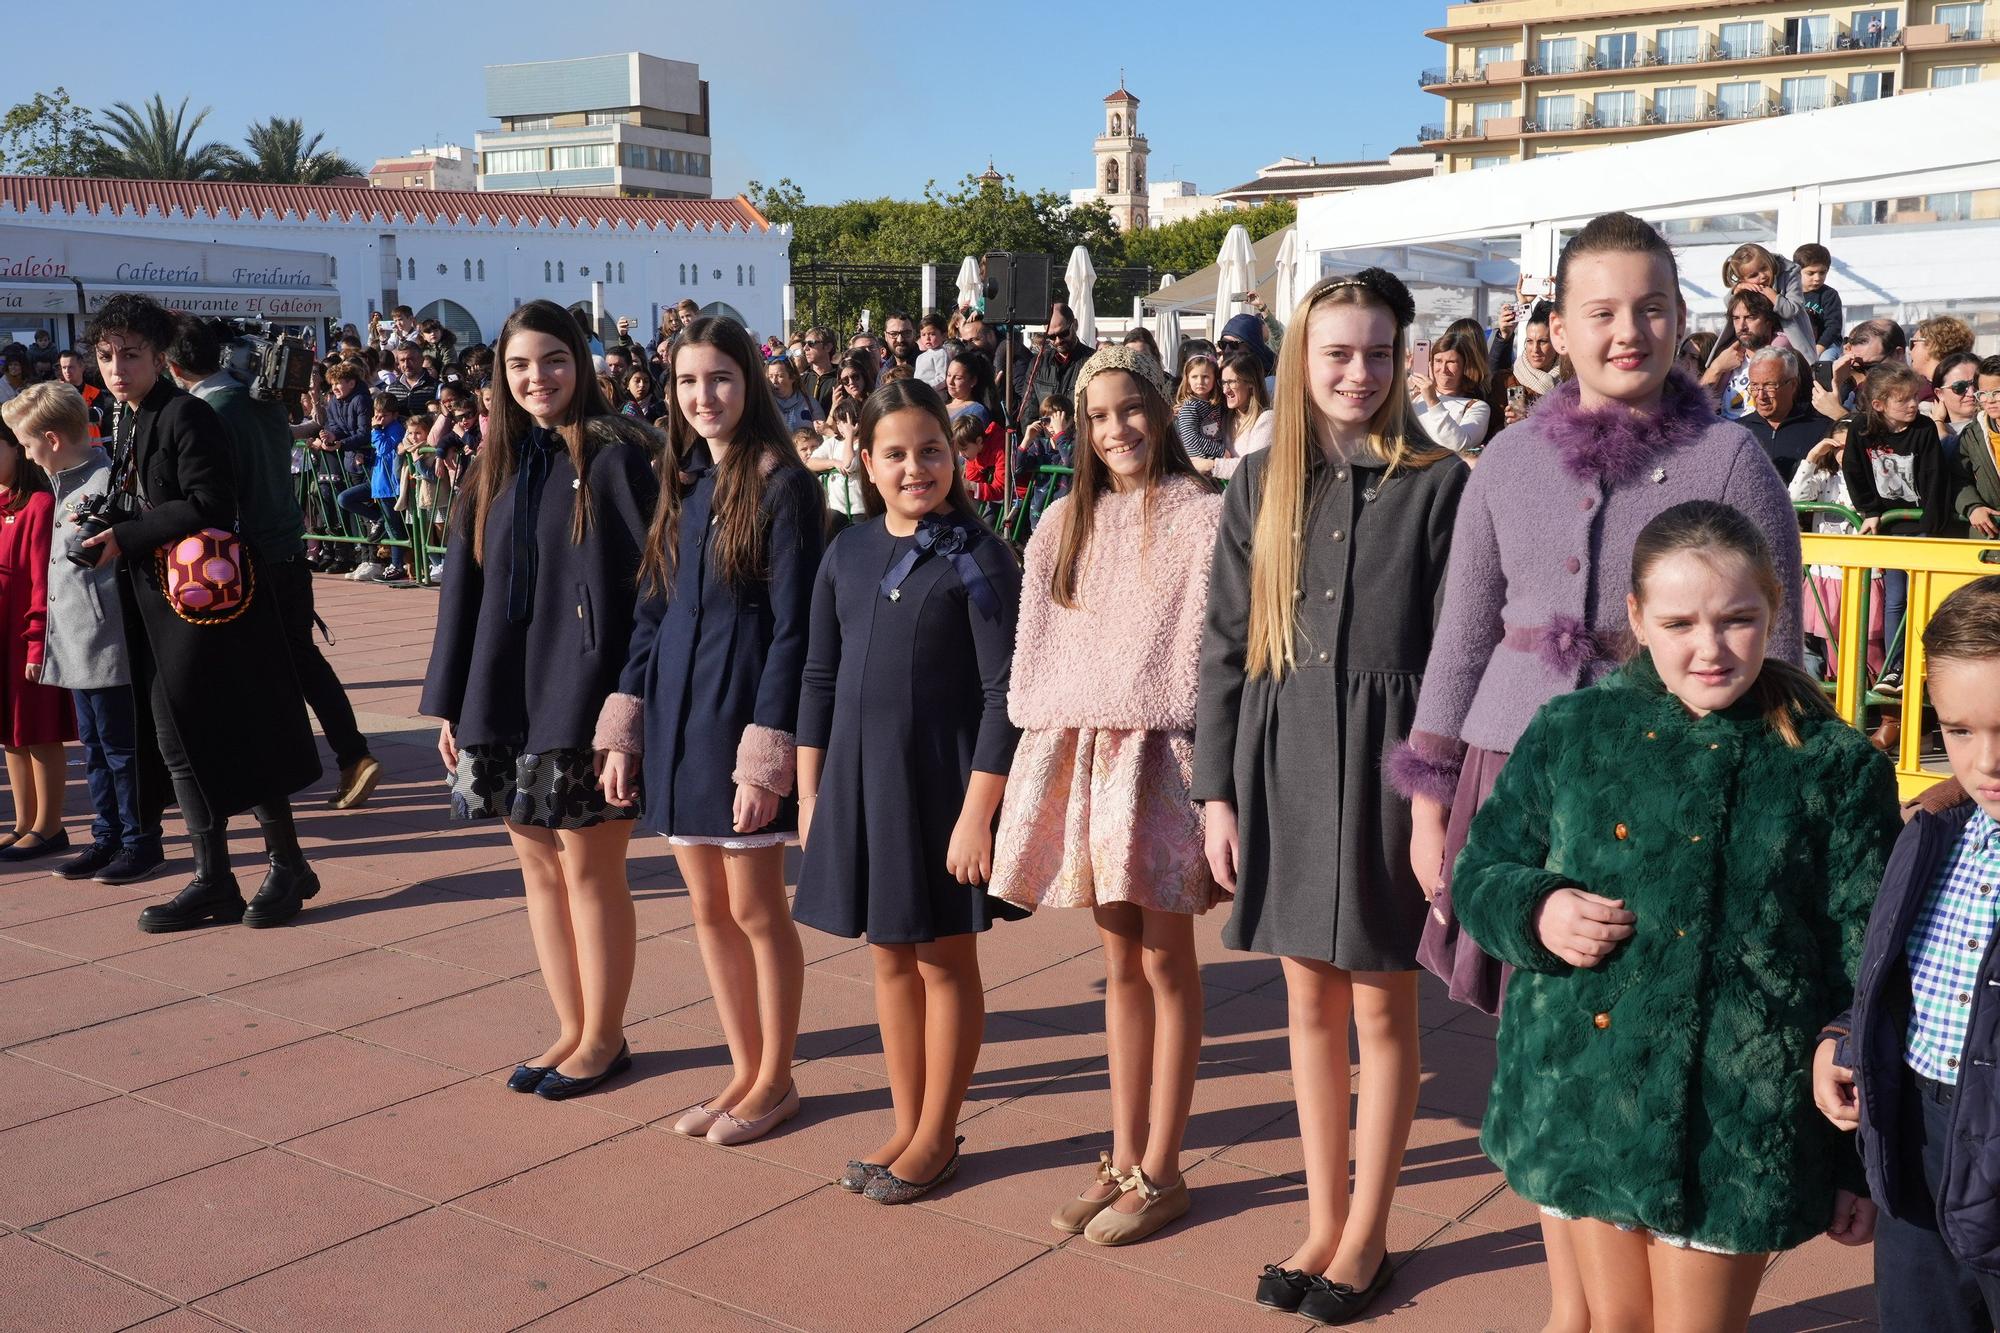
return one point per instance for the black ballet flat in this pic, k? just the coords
(526, 1077)
(557, 1086)
(1282, 1288)
(1336, 1302)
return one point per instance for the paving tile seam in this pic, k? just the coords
(650, 1280)
(23, 1053)
(120, 1278)
(281, 1144)
(987, 1286)
(255, 1145)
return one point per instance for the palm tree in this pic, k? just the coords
(154, 144)
(281, 154)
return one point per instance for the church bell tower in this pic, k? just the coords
(1121, 160)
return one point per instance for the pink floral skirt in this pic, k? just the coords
(1098, 817)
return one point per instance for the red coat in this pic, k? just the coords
(30, 713)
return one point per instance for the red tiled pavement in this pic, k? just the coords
(305, 1129)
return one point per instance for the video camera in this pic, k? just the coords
(274, 367)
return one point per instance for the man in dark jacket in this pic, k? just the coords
(1056, 366)
(1781, 417)
(260, 440)
(1911, 1064)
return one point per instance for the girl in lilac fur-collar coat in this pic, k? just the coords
(1098, 812)
(1541, 555)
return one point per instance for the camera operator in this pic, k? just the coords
(271, 524)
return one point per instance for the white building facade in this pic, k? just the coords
(464, 258)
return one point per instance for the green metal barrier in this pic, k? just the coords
(427, 516)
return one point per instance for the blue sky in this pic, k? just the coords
(847, 106)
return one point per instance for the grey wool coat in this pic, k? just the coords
(1323, 865)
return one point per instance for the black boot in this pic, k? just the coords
(289, 881)
(212, 896)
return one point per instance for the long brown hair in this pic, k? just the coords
(28, 475)
(1165, 457)
(904, 396)
(1782, 692)
(762, 444)
(1395, 438)
(509, 424)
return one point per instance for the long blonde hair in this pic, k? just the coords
(1395, 439)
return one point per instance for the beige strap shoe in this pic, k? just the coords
(1074, 1216)
(1160, 1207)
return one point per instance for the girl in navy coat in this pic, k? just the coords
(904, 745)
(709, 703)
(539, 586)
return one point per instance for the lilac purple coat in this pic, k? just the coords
(1541, 558)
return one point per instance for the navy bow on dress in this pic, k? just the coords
(935, 535)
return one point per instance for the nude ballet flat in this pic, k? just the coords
(1161, 1207)
(696, 1121)
(1074, 1216)
(729, 1130)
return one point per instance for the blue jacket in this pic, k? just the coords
(351, 419)
(1869, 1041)
(714, 663)
(386, 478)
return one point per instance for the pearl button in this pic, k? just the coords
(1339, 536)
(1573, 565)
(1329, 594)
(1695, 838)
(1587, 503)
(1602, 1021)
(1322, 657)
(1340, 474)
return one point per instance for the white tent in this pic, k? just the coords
(1779, 181)
(968, 284)
(1235, 275)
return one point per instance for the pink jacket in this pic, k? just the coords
(1128, 656)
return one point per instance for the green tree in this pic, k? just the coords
(48, 135)
(281, 154)
(155, 144)
(1192, 243)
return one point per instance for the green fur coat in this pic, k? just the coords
(1670, 1086)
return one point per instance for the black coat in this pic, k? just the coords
(537, 685)
(711, 660)
(908, 697)
(1792, 439)
(229, 686)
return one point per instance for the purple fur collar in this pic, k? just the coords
(1613, 444)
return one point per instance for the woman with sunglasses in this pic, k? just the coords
(1956, 381)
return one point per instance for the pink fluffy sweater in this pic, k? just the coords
(1127, 657)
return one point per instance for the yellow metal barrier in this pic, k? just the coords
(1937, 567)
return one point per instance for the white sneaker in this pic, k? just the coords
(366, 571)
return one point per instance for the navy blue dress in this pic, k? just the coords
(908, 698)
(713, 660)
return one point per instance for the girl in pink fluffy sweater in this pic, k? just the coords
(1097, 812)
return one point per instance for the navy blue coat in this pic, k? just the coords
(908, 697)
(537, 685)
(1870, 1042)
(711, 660)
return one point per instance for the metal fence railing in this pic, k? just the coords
(427, 491)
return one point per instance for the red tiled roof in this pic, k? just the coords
(69, 194)
(1120, 96)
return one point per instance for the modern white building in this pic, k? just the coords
(464, 258)
(626, 124)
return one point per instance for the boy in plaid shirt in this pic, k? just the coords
(1913, 1064)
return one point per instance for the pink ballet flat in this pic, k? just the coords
(696, 1121)
(729, 1130)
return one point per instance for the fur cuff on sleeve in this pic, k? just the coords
(1425, 765)
(621, 725)
(766, 758)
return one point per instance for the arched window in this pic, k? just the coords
(468, 270)
(684, 275)
(621, 270)
(739, 275)
(548, 271)
(753, 275)
(482, 270)
(607, 270)
(454, 317)
(695, 273)
(413, 270)
(559, 271)
(1139, 178)
(1111, 177)
(332, 267)
(1117, 123)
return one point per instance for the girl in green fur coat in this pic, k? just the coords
(1680, 863)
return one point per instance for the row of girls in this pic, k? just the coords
(1361, 615)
